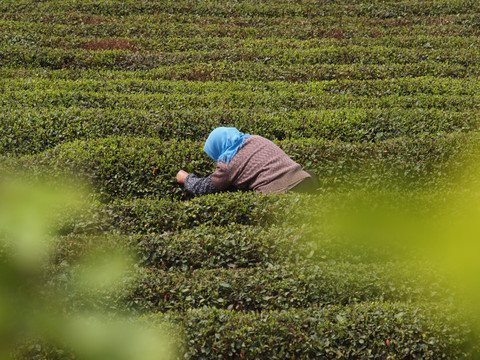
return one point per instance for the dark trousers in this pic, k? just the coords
(308, 185)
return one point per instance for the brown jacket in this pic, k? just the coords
(259, 165)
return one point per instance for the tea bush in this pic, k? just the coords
(147, 216)
(253, 71)
(129, 167)
(374, 329)
(32, 130)
(283, 286)
(117, 59)
(204, 247)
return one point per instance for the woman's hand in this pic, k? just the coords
(181, 176)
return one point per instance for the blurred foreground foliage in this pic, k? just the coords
(439, 226)
(32, 313)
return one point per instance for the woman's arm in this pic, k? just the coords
(181, 176)
(196, 185)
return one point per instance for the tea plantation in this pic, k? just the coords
(374, 96)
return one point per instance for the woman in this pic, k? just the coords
(247, 162)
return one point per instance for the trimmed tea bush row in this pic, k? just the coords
(271, 95)
(157, 216)
(230, 246)
(259, 288)
(248, 71)
(142, 32)
(366, 330)
(145, 168)
(32, 130)
(40, 35)
(222, 71)
(292, 101)
(282, 287)
(130, 83)
(391, 9)
(242, 70)
(19, 55)
(121, 166)
(157, 25)
(154, 216)
(161, 18)
(74, 36)
(147, 216)
(206, 247)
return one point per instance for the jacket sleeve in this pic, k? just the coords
(200, 186)
(222, 176)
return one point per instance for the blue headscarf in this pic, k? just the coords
(223, 143)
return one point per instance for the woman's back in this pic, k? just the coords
(259, 165)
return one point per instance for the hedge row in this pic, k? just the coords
(279, 287)
(273, 95)
(48, 35)
(132, 83)
(222, 71)
(32, 130)
(19, 55)
(38, 35)
(147, 216)
(230, 246)
(151, 216)
(155, 216)
(206, 247)
(252, 100)
(390, 9)
(248, 71)
(367, 330)
(259, 288)
(361, 30)
(121, 167)
(153, 21)
(124, 167)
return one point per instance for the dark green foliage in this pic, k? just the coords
(32, 131)
(146, 216)
(117, 59)
(283, 287)
(157, 216)
(247, 71)
(250, 41)
(367, 330)
(206, 247)
(349, 111)
(132, 167)
(232, 246)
